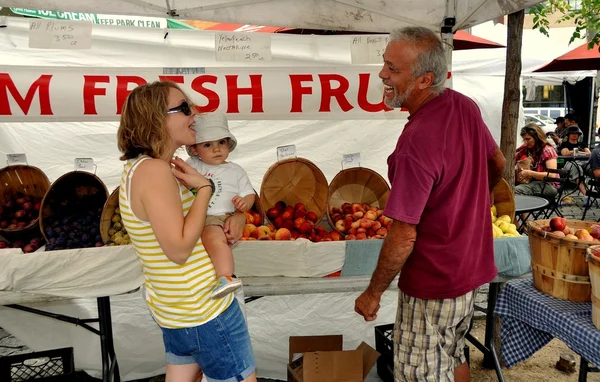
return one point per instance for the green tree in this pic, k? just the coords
(585, 14)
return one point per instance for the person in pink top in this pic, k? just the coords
(441, 236)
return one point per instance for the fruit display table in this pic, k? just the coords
(530, 319)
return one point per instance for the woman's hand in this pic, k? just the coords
(187, 174)
(523, 175)
(234, 227)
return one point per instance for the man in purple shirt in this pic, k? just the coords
(442, 171)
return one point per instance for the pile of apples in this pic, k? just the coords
(502, 226)
(558, 228)
(19, 212)
(360, 221)
(27, 246)
(289, 223)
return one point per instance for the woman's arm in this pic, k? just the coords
(156, 199)
(234, 227)
(537, 175)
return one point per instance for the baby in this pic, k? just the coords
(232, 191)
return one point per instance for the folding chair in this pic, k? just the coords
(592, 193)
(554, 205)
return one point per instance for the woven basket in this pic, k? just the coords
(504, 200)
(593, 259)
(71, 187)
(357, 185)
(292, 181)
(27, 180)
(559, 264)
(107, 212)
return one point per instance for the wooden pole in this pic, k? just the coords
(512, 94)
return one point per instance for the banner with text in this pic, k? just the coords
(97, 94)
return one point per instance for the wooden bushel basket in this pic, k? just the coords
(107, 212)
(559, 264)
(292, 181)
(28, 180)
(357, 185)
(504, 200)
(593, 259)
(72, 186)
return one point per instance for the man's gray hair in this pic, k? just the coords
(432, 57)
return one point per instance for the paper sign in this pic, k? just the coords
(242, 47)
(16, 158)
(351, 159)
(60, 34)
(84, 164)
(368, 49)
(284, 152)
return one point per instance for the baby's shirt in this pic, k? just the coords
(228, 179)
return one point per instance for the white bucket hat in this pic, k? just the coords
(212, 127)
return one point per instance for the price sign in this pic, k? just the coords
(368, 49)
(16, 158)
(60, 34)
(350, 160)
(84, 164)
(243, 47)
(284, 152)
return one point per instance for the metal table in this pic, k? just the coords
(527, 205)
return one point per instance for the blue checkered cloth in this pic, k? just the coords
(530, 319)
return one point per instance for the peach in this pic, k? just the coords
(355, 224)
(272, 228)
(371, 232)
(249, 218)
(272, 213)
(263, 230)
(352, 231)
(299, 214)
(358, 214)
(339, 225)
(348, 221)
(248, 229)
(350, 237)
(264, 237)
(278, 222)
(361, 230)
(288, 224)
(287, 215)
(357, 207)
(361, 236)
(572, 237)
(558, 234)
(300, 207)
(258, 220)
(298, 222)
(272, 234)
(376, 225)
(283, 234)
(335, 236)
(385, 221)
(365, 223)
(371, 215)
(381, 232)
(379, 213)
(312, 216)
(580, 233)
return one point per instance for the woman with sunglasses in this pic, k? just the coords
(543, 155)
(164, 222)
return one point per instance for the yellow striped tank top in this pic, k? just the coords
(178, 295)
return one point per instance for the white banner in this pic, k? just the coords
(97, 94)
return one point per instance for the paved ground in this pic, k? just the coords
(572, 209)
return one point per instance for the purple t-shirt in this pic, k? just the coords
(439, 178)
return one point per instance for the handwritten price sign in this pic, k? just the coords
(85, 164)
(244, 47)
(16, 158)
(285, 152)
(368, 49)
(351, 160)
(60, 34)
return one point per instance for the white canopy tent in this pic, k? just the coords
(352, 15)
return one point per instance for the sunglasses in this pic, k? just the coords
(526, 130)
(184, 108)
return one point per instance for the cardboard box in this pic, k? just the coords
(321, 359)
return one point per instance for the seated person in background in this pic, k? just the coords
(568, 148)
(543, 155)
(594, 163)
(561, 130)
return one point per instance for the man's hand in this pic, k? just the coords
(367, 305)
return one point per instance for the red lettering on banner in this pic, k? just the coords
(298, 90)
(211, 95)
(42, 84)
(176, 79)
(363, 90)
(255, 90)
(123, 89)
(90, 91)
(339, 93)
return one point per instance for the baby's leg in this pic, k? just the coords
(215, 243)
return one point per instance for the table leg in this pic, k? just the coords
(490, 359)
(110, 366)
(583, 369)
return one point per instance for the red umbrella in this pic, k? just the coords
(462, 40)
(577, 59)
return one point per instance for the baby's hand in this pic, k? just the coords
(240, 204)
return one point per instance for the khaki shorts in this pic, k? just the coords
(429, 337)
(216, 220)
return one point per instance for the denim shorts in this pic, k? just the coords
(221, 346)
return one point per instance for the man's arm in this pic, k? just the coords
(397, 246)
(495, 166)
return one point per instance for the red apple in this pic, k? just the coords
(37, 206)
(20, 214)
(299, 214)
(21, 201)
(287, 215)
(3, 224)
(310, 215)
(336, 236)
(272, 213)
(278, 222)
(289, 224)
(3, 244)
(27, 206)
(298, 223)
(257, 218)
(305, 228)
(558, 223)
(280, 205)
(595, 232)
(300, 207)
(29, 248)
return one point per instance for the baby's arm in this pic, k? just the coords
(243, 203)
